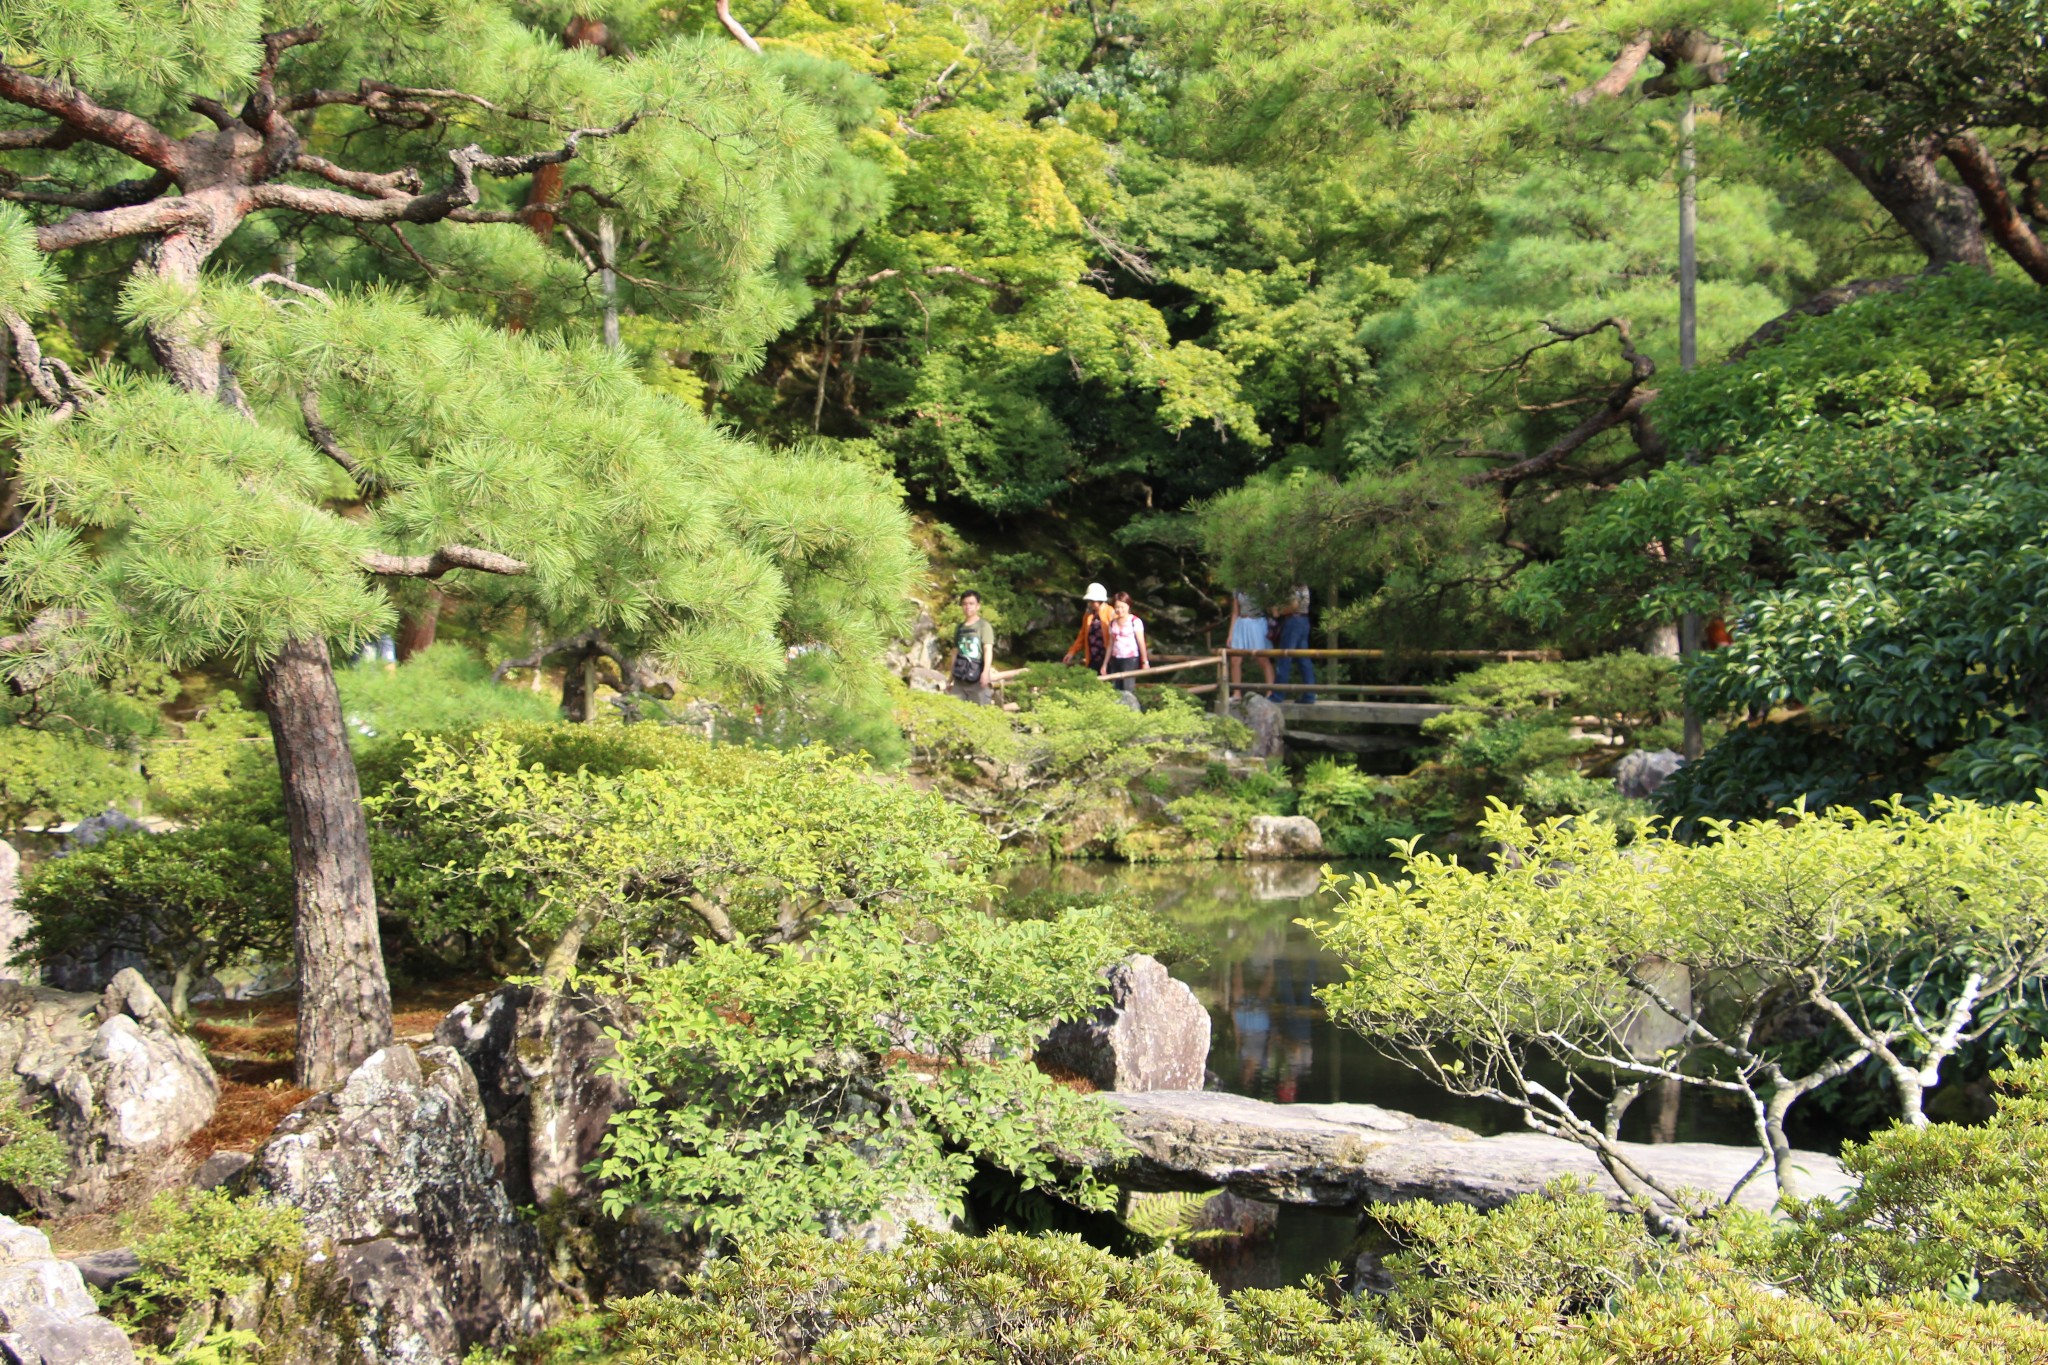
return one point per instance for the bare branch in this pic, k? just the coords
(126, 133)
(734, 27)
(406, 181)
(49, 622)
(55, 138)
(442, 561)
(221, 116)
(152, 217)
(323, 437)
(262, 111)
(285, 281)
(1620, 74)
(1820, 305)
(1561, 27)
(117, 195)
(50, 379)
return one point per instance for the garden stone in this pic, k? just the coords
(1642, 772)
(95, 828)
(124, 1085)
(1344, 1156)
(1284, 836)
(221, 1169)
(1128, 700)
(105, 1269)
(14, 923)
(47, 1316)
(393, 1174)
(1152, 1034)
(537, 1057)
(1266, 721)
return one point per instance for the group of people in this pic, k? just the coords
(1282, 624)
(1111, 641)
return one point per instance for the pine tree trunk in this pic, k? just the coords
(344, 1000)
(416, 628)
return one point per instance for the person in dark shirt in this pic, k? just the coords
(974, 654)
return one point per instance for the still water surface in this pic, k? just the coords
(1272, 1039)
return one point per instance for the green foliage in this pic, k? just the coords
(1947, 1209)
(190, 901)
(655, 835)
(1350, 807)
(50, 776)
(1025, 775)
(31, 1153)
(204, 1245)
(776, 1089)
(444, 688)
(1004, 1299)
(1472, 976)
(219, 767)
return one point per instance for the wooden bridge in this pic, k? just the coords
(1387, 705)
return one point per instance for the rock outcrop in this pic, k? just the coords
(47, 1316)
(123, 1083)
(1153, 1034)
(1283, 836)
(536, 1055)
(393, 1172)
(1347, 1155)
(1266, 721)
(1641, 772)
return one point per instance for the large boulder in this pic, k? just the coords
(537, 1056)
(47, 1315)
(1641, 772)
(394, 1174)
(1283, 836)
(1266, 721)
(1347, 1155)
(124, 1085)
(1153, 1034)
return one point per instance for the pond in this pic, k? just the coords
(1270, 1037)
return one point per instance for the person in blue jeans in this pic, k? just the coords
(1293, 616)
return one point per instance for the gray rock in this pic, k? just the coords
(393, 1173)
(14, 923)
(94, 828)
(1128, 700)
(124, 1085)
(47, 1316)
(891, 1225)
(537, 1055)
(1153, 1034)
(1347, 1155)
(105, 1269)
(1267, 722)
(1641, 772)
(222, 1168)
(1284, 836)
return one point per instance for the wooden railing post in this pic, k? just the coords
(1223, 681)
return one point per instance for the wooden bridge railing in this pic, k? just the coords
(1222, 688)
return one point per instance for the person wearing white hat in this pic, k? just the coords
(1091, 642)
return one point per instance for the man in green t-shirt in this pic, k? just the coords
(974, 653)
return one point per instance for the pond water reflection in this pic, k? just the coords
(1271, 1038)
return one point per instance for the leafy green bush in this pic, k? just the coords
(664, 836)
(190, 901)
(442, 688)
(774, 1089)
(1004, 1299)
(31, 1155)
(206, 1245)
(1351, 808)
(1077, 748)
(50, 776)
(1946, 1208)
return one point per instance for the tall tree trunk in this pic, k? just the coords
(416, 627)
(1942, 218)
(344, 999)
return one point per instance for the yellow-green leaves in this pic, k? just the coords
(27, 285)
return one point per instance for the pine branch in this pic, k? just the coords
(1623, 407)
(262, 111)
(49, 378)
(54, 139)
(120, 194)
(441, 561)
(734, 27)
(126, 133)
(324, 438)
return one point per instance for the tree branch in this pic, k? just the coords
(323, 437)
(1620, 74)
(1976, 168)
(1820, 305)
(126, 133)
(262, 111)
(49, 379)
(1624, 405)
(734, 27)
(442, 561)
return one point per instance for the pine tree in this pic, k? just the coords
(307, 437)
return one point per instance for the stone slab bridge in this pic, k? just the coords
(1344, 1156)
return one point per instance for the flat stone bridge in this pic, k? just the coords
(1344, 1156)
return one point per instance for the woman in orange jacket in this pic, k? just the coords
(1091, 642)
